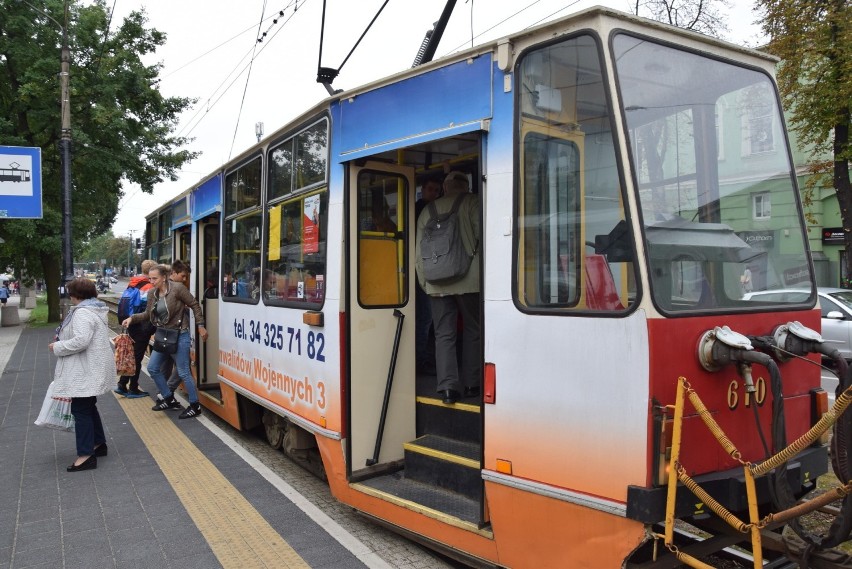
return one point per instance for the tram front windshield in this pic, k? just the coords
(719, 210)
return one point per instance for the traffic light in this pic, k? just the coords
(138, 243)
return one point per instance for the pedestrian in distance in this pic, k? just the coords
(457, 295)
(85, 368)
(133, 301)
(4, 293)
(165, 309)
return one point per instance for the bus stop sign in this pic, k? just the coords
(20, 182)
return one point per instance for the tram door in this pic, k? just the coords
(207, 286)
(380, 311)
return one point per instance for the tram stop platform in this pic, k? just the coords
(169, 494)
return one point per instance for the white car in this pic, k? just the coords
(836, 307)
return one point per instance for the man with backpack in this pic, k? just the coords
(447, 259)
(133, 301)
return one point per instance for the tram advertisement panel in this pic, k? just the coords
(310, 227)
(281, 360)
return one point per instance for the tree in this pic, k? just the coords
(813, 38)
(116, 251)
(121, 124)
(697, 15)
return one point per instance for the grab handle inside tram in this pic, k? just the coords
(388, 385)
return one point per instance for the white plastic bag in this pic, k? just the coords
(55, 412)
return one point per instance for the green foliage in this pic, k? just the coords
(116, 250)
(813, 38)
(122, 126)
(38, 317)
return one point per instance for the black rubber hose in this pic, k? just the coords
(841, 441)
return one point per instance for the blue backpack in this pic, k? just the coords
(131, 302)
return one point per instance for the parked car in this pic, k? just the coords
(836, 307)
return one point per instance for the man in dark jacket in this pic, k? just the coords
(458, 297)
(141, 335)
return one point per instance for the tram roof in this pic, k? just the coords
(594, 17)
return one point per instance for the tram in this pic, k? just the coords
(630, 173)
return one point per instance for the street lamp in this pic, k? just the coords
(64, 142)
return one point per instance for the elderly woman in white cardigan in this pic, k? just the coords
(85, 368)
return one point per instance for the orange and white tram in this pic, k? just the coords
(630, 175)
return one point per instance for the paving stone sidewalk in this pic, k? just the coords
(124, 514)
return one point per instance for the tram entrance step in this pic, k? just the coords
(445, 501)
(446, 463)
(460, 421)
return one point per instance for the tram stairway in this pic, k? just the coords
(442, 465)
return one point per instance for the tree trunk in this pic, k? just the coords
(843, 188)
(52, 278)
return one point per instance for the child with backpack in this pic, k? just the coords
(133, 301)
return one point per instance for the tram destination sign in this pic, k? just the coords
(20, 182)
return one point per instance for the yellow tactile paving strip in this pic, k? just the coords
(238, 535)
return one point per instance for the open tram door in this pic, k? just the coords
(380, 315)
(206, 281)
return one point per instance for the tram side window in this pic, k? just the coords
(241, 258)
(242, 234)
(299, 163)
(242, 188)
(296, 249)
(311, 155)
(574, 247)
(382, 264)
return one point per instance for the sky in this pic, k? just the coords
(212, 54)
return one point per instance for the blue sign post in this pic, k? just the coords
(20, 182)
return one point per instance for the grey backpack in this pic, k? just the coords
(442, 249)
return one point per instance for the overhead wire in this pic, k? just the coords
(565, 7)
(506, 19)
(210, 105)
(248, 78)
(103, 42)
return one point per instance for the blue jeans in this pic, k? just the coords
(88, 428)
(156, 365)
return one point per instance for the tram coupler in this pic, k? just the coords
(722, 346)
(796, 339)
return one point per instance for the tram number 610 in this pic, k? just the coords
(759, 394)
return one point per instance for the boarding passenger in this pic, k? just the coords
(447, 300)
(128, 385)
(180, 274)
(430, 190)
(167, 302)
(85, 368)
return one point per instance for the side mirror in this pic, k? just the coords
(835, 315)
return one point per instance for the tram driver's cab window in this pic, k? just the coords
(709, 245)
(574, 249)
(297, 220)
(242, 234)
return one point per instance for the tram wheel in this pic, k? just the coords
(275, 429)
